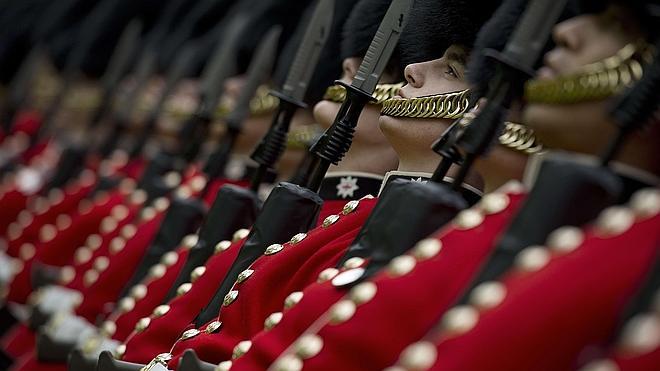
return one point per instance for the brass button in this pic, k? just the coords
(83, 254)
(108, 328)
(101, 263)
(512, 187)
(565, 239)
(108, 224)
(62, 222)
(120, 351)
(460, 319)
(230, 297)
(418, 356)
(646, 202)
(347, 277)
(241, 348)
(142, 324)
(330, 220)
(161, 310)
(163, 358)
(532, 258)
(213, 327)
(189, 334)
(223, 366)
(353, 262)
(297, 238)
(363, 292)
(293, 299)
(401, 265)
(240, 234)
(601, 365)
(138, 291)
(184, 288)
(138, 197)
(288, 363)
(342, 311)
(244, 275)
(90, 277)
(161, 204)
(157, 271)
(67, 274)
(190, 240)
(128, 231)
(614, 220)
(494, 203)
(148, 213)
(222, 246)
(126, 304)
(273, 249)
(488, 295)
(468, 219)
(641, 334)
(350, 207)
(197, 273)
(119, 212)
(272, 320)
(427, 248)
(169, 259)
(116, 245)
(47, 233)
(27, 251)
(94, 241)
(327, 274)
(308, 346)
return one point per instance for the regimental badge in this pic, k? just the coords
(347, 187)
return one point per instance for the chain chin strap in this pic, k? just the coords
(383, 92)
(594, 81)
(303, 137)
(449, 106)
(520, 138)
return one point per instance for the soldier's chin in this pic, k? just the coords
(580, 127)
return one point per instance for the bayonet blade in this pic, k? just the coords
(222, 64)
(309, 52)
(121, 57)
(258, 71)
(382, 46)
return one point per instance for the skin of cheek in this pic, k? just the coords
(254, 128)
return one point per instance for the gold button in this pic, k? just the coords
(14, 231)
(94, 241)
(101, 263)
(347, 277)
(512, 187)
(161, 310)
(288, 363)
(223, 366)
(641, 334)
(401, 265)
(138, 291)
(293, 299)
(142, 324)
(55, 196)
(24, 219)
(272, 320)
(488, 295)
(494, 203)
(108, 328)
(244, 275)
(161, 204)
(327, 274)
(157, 271)
(601, 365)
(128, 231)
(197, 272)
(330, 220)
(241, 348)
(614, 220)
(67, 274)
(213, 327)
(83, 254)
(353, 262)
(47, 233)
(119, 212)
(646, 202)
(342, 311)
(163, 358)
(27, 251)
(184, 288)
(532, 258)
(565, 239)
(116, 245)
(468, 219)
(230, 297)
(190, 240)
(427, 248)
(418, 356)
(108, 224)
(363, 292)
(460, 319)
(172, 179)
(308, 346)
(240, 234)
(273, 249)
(120, 351)
(148, 213)
(297, 238)
(350, 207)
(62, 222)
(222, 246)
(169, 259)
(90, 277)
(189, 334)
(126, 304)
(197, 183)
(138, 197)
(84, 207)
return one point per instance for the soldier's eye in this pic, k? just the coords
(451, 72)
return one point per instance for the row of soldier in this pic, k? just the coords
(185, 188)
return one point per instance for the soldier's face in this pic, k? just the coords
(411, 137)
(367, 132)
(582, 127)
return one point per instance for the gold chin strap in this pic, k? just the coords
(303, 137)
(441, 106)
(520, 138)
(595, 81)
(383, 92)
